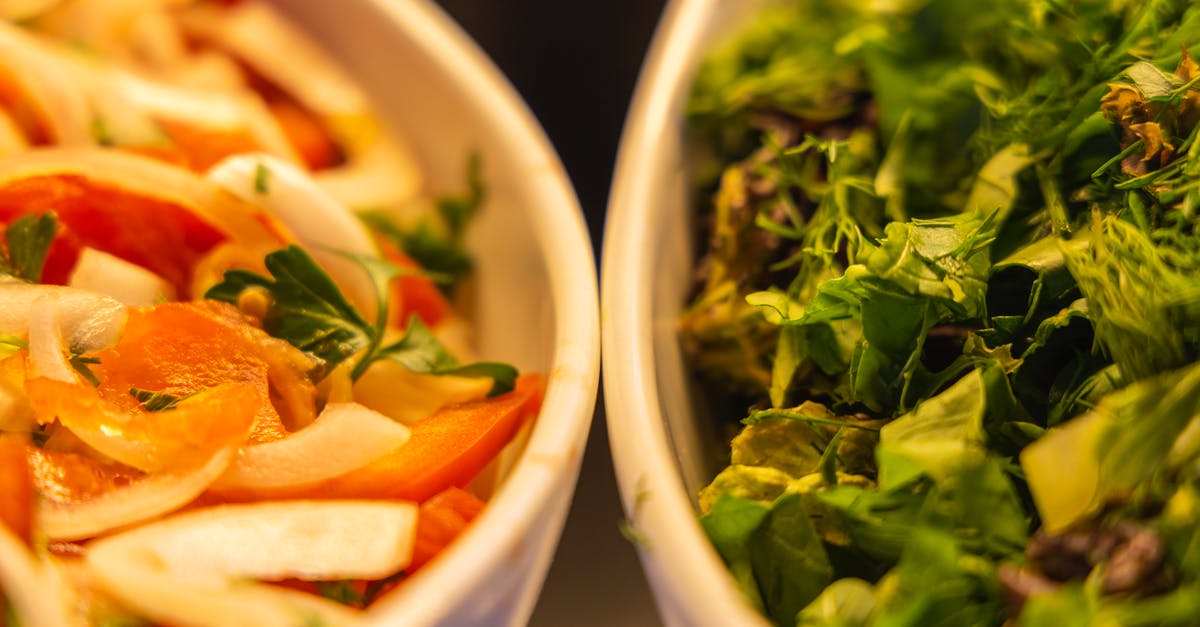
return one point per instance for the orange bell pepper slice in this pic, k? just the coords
(16, 487)
(447, 449)
(441, 519)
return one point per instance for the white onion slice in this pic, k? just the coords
(86, 321)
(256, 34)
(143, 500)
(47, 351)
(129, 283)
(55, 93)
(191, 569)
(344, 437)
(381, 174)
(35, 590)
(406, 396)
(320, 222)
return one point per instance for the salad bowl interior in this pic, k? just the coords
(534, 292)
(664, 444)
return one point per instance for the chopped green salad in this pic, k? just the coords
(952, 268)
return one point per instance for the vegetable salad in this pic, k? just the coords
(235, 387)
(950, 268)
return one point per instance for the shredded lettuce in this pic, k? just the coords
(951, 269)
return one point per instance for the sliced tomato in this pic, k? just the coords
(413, 293)
(162, 237)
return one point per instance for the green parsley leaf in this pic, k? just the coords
(457, 211)
(340, 591)
(262, 179)
(420, 351)
(28, 239)
(155, 401)
(309, 312)
(81, 363)
(10, 344)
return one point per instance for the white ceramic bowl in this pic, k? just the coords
(661, 449)
(535, 277)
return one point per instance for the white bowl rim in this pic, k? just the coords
(562, 236)
(691, 583)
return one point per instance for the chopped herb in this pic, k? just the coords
(341, 591)
(10, 344)
(435, 251)
(308, 311)
(377, 587)
(101, 131)
(81, 365)
(436, 243)
(155, 401)
(28, 240)
(262, 179)
(420, 351)
(632, 534)
(950, 266)
(457, 211)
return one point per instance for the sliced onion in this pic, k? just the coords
(143, 500)
(36, 592)
(191, 569)
(256, 34)
(86, 321)
(344, 437)
(320, 222)
(55, 94)
(406, 396)
(380, 174)
(47, 351)
(129, 283)
(204, 108)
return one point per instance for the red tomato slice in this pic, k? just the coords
(413, 294)
(160, 236)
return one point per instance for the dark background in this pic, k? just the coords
(575, 64)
